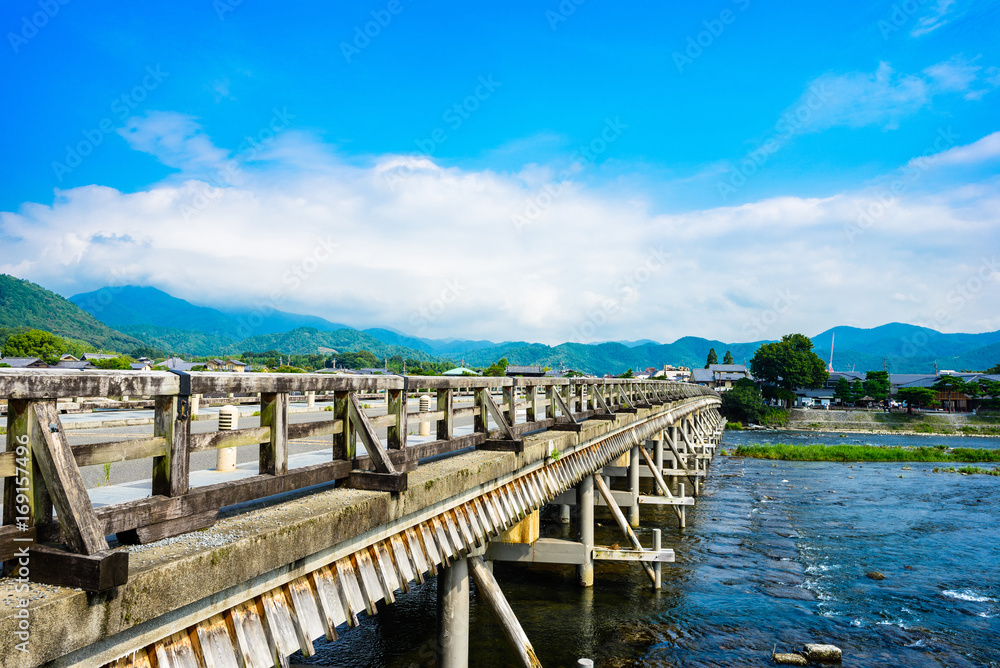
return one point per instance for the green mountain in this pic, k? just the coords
(611, 358)
(25, 305)
(181, 342)
(132, 305)
(308, 341)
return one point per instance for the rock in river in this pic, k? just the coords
(875, 575)
(789, 659)
(823, 653)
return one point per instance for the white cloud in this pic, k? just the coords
(435, 251)
(982, 150)
(176, 140)
(934, 19)
(884, 97)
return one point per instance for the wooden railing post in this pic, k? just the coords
(550, 398)
(510, 398)
(395, 435)
(446, 425)
(173, 422)
(344, 443)
(481, 422)
(274, 414)
(22, 438)
(531, 396)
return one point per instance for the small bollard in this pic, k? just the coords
(585, 663)
(425, 405)
(225, 458)
(310, 398)
(195, 404)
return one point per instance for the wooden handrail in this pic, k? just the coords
(174, 508)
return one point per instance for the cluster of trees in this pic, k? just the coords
(713, 358)
(787, 364)
(875, 385)
(44, 345)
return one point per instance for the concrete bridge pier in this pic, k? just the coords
(585, 518)
(633, 486)
(453, 615)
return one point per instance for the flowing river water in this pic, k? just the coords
(774, 554)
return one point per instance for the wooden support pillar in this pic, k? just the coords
(395, 435)
(453, 615)
(550, 398)
(23, 437)
(585, 517)
(344, 443)
(657, 566)
(173, 422)
(658, 457)
(633, 486)
(481, 421)
(529, 398)
(510, 398)
(274, 414)
(446, 425)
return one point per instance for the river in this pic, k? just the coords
(774, 554)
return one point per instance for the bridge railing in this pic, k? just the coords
(41, 470)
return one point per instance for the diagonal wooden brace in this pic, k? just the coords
(65, 484)
(563, 407)
(601, 401)
(378, 454)
(498, 416)
(616, 512)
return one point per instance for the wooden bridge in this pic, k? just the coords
(256, 569)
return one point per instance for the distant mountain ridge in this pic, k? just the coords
(129, 317)
(136, 305)
(27, 305)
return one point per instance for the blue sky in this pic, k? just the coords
(552, 155)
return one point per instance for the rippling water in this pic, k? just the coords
(775, 553)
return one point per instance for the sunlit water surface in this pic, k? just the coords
(774, 554)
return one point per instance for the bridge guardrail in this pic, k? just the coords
(41, 470)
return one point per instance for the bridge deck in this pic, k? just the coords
(249, 553)
(273, 560)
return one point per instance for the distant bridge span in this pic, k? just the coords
(330, 540)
